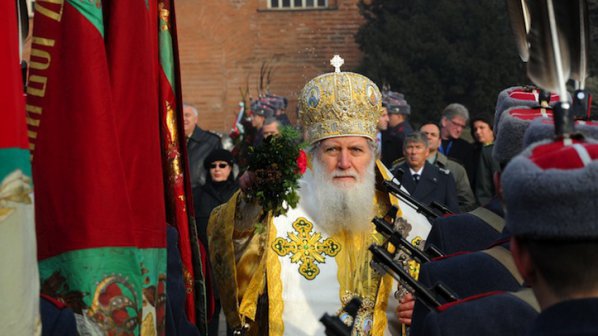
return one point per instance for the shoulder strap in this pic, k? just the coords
(503, 256)
(527, 295)
(492, 219)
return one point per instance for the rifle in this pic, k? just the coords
(337, 327)
(397, 239)
(383, 262)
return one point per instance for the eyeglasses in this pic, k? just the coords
(220, 165)
(457, 124)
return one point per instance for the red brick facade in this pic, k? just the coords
(223, 43)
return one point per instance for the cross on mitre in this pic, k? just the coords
(337, 62)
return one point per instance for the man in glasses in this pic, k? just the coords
(453, 121)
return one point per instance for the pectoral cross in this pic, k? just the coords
(337, 62)
(306, 247)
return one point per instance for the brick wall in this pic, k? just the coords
(223, 43)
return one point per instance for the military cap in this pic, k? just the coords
(395, 103)
(277, 102)
(518, 96)
(551, 190)
(511, 128)
(262, 108)
(543, 129)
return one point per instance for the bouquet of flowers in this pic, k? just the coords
(277, 163)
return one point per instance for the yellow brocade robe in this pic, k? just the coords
(279, 278)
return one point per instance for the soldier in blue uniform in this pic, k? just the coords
(477, 315)
(484, 271)
(552, 196)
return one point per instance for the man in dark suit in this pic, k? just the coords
(200, 143)
(453, 121)
(425, 182)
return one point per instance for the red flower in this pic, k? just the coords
(302, 161)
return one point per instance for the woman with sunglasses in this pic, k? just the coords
(219, 187)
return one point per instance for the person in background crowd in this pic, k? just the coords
(453, 121)
(398, 126)
(381, 126)
(261, 111)
(481, 130)
(271, 127)
(219, 187)
(279, 104)
(425, 182)
(465, 195)
(199, 144)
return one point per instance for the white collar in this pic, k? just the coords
(419, 172)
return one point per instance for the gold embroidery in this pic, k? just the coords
(339, 103)
(306, 248)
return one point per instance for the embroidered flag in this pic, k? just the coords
(19, 306)
(93, 106)
(179, 206)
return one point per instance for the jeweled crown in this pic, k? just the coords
(339, 104)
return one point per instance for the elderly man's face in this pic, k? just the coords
(189, 120)
(345, 158)
(454, 126)
(415, 154)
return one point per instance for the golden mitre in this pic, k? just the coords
(339, 104)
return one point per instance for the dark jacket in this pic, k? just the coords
(465, 232)
(465, 195)
(57, 319)
(462, 152)
(572, 317)
(466, 275)
(206, 198)
(199, 145)
(484, 181)
(176, 317)
(392, 142)
(435, 185)
(492, 315)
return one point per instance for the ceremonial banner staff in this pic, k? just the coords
(19, 306)
(93, 107)
(179, 206)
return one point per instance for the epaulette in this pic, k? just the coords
(397, 162)
(444, 171)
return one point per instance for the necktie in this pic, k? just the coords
(416, 178)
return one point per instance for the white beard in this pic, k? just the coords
(335, 206)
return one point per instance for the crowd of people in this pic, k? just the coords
(281, 274)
